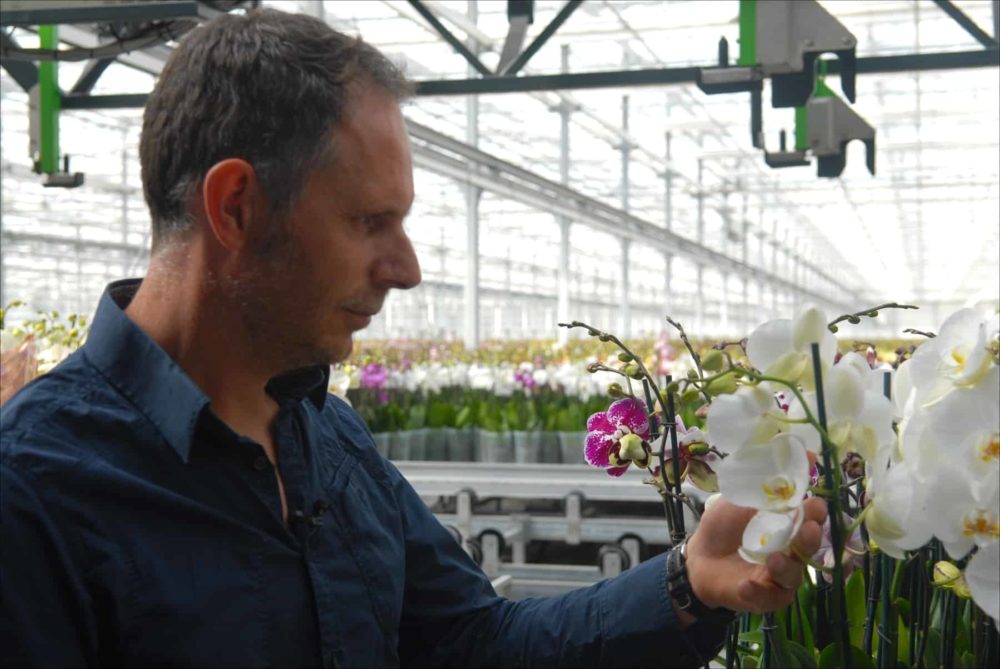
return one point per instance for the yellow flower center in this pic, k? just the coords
(990, 449)
(763, 540)
(779, 489)
(982, 524)
(958, 357)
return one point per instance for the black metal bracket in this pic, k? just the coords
(522, 59)
(968, 24)
(448, 37)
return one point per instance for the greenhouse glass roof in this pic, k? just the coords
(925, 229)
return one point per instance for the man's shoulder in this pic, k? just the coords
(58, 411)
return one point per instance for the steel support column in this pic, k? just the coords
(563, 278)
(626, 148)
(472, 196)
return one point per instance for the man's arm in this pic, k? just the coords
(44, 608)
(452, 616)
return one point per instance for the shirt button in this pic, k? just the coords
(260, 463)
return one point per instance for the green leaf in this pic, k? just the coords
(800, 616)
(932, 650)
(801, 656)
(968, 660)
(831, 658)
(854, 591)
(749, 662)
(754, 636)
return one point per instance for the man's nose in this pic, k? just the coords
(399, 268)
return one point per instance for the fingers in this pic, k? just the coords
(815, 509)
(761, 597)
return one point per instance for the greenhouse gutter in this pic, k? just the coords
(911, 62)
(472, 166)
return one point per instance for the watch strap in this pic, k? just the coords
(679, 587)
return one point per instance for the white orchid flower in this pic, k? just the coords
(903, 391)
(769, 532)
(896, 513)
(958, 357)
(858, 418)
(982, 575)
(748, 416)
(781, 348)
(965, 426)
(964, 513)
(771, 476)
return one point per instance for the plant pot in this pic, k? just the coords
(571, 445)
(437, 444)
(496, 446)
(383, 443)
(460, 444)
(399, 446)
(418, 443)
(549, 449)
(526, 446)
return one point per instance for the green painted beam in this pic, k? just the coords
(48, 103)
(748, 33)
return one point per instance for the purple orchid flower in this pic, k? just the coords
(618, 437)
(854, 549)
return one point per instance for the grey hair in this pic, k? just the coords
(267, 87)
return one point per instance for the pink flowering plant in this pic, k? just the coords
(905, 452)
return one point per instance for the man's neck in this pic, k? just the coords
(178, 310)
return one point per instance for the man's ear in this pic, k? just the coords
(231, 197)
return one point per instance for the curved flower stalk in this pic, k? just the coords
(780, 348)
(982, 575)
(959, 357)
(618, 437)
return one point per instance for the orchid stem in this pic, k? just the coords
(832, 475)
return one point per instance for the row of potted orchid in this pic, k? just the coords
(907, 456)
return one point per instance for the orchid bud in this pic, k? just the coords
(672, 387)
(692, 374)
(834, 329)
(632, 370)
(724, 385)
(689, 395)
(594, 367)
(615, 390)
(713, 361)
(946, 574)
(605, 337)
(625, 357)
(698, 448)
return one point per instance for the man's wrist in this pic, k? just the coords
(687, 606)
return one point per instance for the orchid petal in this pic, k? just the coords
(772, 476)
(769, 532)
(769, 342)
(982, 575)
(631, 413)
(599, 422)
(617, 471)
(596, 447)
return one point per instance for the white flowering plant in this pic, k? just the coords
(906, 455)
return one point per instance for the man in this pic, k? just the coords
(182, 491)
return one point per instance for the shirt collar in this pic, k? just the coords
(130, 360)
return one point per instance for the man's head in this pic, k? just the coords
(280, 142)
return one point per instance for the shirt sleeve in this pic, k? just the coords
(44, 608)
(453, 617)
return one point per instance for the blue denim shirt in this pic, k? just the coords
(138, 529)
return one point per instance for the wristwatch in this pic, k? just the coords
(680, 590)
